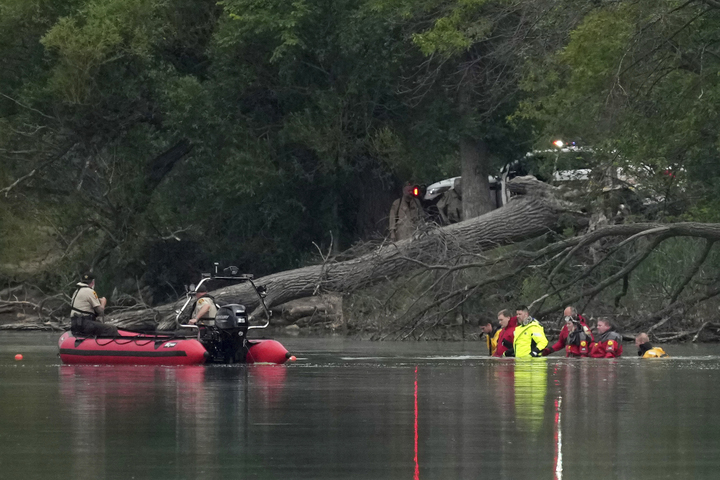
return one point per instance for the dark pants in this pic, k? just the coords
(89, 327)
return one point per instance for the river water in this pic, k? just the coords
(361, 410)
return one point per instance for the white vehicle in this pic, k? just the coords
(438, 188)
(563, 165)
(571, 175)
(435, 190)
(500, 195)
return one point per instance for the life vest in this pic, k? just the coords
(562, 341)
(506, 339)
(646, 350)
(492, 340)
(609, 345)
(578, 343)
(655, 352)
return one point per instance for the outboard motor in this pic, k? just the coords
(230, 332)
(232, 316)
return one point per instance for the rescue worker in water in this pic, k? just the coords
(645, 348)
(609, 341)
(575, 336)
(530, 337)
(492, 332)
(508, 322)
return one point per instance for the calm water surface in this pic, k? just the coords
(361, 410)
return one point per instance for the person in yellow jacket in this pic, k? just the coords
(645, 348)
(530, 337)
(492, 332)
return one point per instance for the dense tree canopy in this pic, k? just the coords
(639, 81)
(148, 138)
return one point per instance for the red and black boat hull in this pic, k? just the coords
(135, 349)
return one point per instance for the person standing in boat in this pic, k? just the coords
(530, 339)
(86, 307)
(645, 348)
(205, 308)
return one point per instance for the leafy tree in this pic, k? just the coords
(86, 143)
(638, 81)
(467, 85)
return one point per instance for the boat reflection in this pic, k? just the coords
(196, 412)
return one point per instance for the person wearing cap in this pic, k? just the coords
(406, 214)
(492, 332)
(645, 348)
(205, 308)
(530, 339)
(609, 341)
(508, 322)
(86, 307)
(575, 345)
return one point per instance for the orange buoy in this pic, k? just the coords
(18, 357)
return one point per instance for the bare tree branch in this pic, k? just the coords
(693, 270)
(630, 266)
(26, 106)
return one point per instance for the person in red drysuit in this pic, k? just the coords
(609, 341)
(575, 336)
(507, 336)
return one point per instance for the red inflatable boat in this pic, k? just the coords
(222, 339)
(139, 349)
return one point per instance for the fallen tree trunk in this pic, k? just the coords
(569, 270)
(535, 211)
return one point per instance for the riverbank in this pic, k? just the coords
(322, 329)
(325, 315)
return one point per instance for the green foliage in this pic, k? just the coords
(101, 33)
(444, 38)
(655, 280)
(298, 115)
(592, 55)
(285, 24)
(27, 243)
(532, 288)
(636, 79)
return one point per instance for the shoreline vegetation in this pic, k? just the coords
(323, 316)
(454, 333)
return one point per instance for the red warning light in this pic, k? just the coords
(416, 191)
